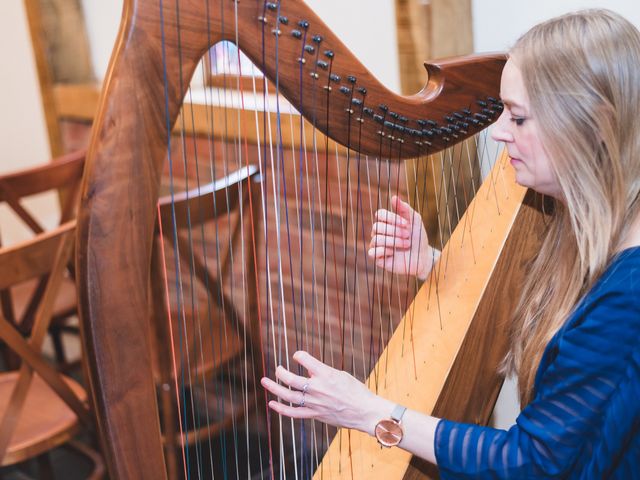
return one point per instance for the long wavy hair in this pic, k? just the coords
(582, 74)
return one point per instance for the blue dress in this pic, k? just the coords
(584, 420)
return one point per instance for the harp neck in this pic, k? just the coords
(313, 69)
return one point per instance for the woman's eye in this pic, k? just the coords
(518, 120)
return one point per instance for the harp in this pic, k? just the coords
(443, 355)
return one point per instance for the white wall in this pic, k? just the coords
(23, 135)
(497, 24)
(376, 49)
(103, 20)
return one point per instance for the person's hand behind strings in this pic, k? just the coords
(328, 395)
(399, 241)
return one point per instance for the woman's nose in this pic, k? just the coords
(501, 131)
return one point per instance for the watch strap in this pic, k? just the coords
(398, 412)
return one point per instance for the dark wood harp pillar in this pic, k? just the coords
(156, 53)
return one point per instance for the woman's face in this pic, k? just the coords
(519, 131)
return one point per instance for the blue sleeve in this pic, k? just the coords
(563, 426)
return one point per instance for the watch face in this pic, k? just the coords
(388, 433)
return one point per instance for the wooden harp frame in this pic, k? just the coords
(156, 53)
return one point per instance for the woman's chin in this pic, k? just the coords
(522, 180)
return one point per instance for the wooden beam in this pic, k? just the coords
(429, 30)
(450, 29)
(80, 102)
(43, 68)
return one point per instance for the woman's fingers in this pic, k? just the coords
(386, 216)
(388, 241)
(332, 396)
(381, 228)
(295, 410)
(289, 411)
(282, 392)
(290, 378)
(311, 363)
(404, 210)
(381, 252)
(391, 264)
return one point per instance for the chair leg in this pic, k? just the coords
(45, 468)
(99, 469)
(58, 347)
(10, 359)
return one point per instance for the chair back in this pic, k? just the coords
(63, 175)
(44, 256)
(193, 276)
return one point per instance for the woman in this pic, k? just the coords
(571, 91)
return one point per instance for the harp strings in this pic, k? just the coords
(330, 302)
(193, 352)
(181, 302)
(182, 421)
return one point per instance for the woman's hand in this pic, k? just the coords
(335, 397)
(328, 395)
(399, 242)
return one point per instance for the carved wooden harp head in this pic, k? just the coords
(158, 48)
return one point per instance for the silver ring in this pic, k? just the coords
(305, 387)
(302, 400)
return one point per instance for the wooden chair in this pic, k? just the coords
(201, 294)
(18, 303)
(40, 409)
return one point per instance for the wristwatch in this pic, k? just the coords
(388, 431)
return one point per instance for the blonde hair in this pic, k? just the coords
(582, 74)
